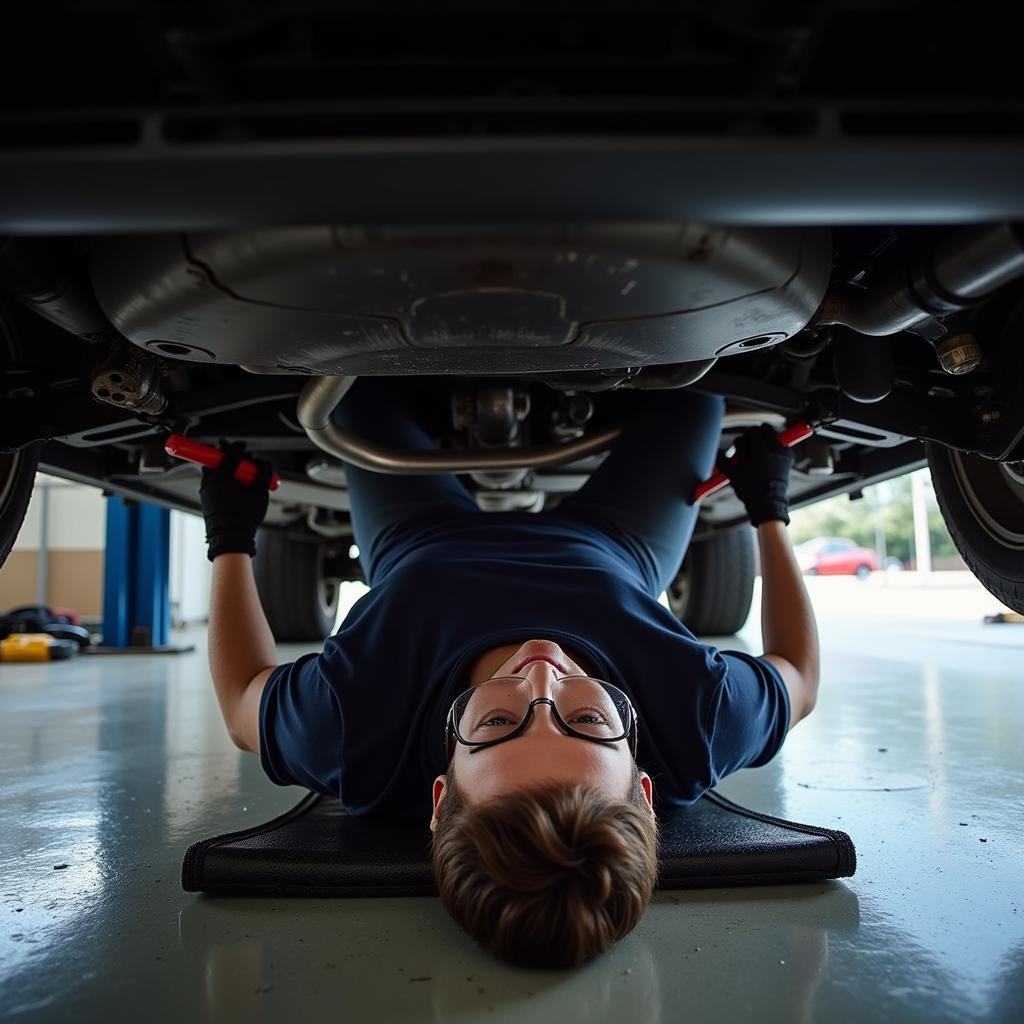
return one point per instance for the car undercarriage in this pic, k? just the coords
(222, 256)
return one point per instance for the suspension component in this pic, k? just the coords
(818, 455)
(491, 414)
(571, 415)
(863, 366)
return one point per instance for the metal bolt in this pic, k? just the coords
(959, 353)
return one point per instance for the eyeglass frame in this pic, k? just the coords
(452, 737)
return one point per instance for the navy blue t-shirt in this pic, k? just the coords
(364, 720)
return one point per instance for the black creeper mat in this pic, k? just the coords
(316, 849)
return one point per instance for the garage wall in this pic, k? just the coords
(77, 520)
(190, 570)
(75, 550)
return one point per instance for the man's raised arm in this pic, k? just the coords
(787, 619)
(759, 474)
(241, 647)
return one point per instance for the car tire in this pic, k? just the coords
(862, 572)
(17, 475)
(982, 503)
(713, 591)
(298, 598)
(17, 469)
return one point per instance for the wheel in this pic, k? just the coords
(982, 503)
(862, 572)
(17, 469)
(714, 589)
(813, 571)
(17, 475)
(299, 598)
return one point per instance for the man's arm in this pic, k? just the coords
(759, 473)
(241, 647)
(787, 619)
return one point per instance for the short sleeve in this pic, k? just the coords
(750, 715)
(301, 728)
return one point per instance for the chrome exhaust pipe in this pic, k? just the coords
(320, 396)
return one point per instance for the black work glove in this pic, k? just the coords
(759, 474)
(233, 511)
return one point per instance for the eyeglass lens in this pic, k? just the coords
(495, 708)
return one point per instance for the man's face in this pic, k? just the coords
(543, 753)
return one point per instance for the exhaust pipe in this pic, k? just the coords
(968, 265)
(320, 396)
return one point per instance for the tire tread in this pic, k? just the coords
(287, 581)
(721, 572)
(1007, 589)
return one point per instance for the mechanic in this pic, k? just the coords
(544, 827)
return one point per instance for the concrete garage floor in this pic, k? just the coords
(113, 766)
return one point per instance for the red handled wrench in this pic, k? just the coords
(789, 437)
(182, 447)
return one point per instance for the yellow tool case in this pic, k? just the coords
(35, 647)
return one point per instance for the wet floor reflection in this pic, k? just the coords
(405, 961)
(938, 866)
(115, 767)
(101, 790)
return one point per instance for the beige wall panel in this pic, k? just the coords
(18, 579)
(75, 580)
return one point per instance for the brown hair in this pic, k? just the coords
(549, 876)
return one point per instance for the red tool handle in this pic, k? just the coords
(789, 437)
(182, 447)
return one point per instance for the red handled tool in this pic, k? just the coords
(182, 447)
(789, 437)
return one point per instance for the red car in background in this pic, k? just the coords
(835, 556)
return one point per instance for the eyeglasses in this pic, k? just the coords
(500, 709)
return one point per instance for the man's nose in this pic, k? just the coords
(542, 676)
(543, 721)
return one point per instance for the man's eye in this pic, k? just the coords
(496, 718)
(588, 716)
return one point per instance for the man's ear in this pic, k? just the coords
(648, 787)
(439, 788)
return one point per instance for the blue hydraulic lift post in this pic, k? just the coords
(136, 604)
(152, 605)
(116, 580)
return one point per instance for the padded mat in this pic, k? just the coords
(316, 849)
